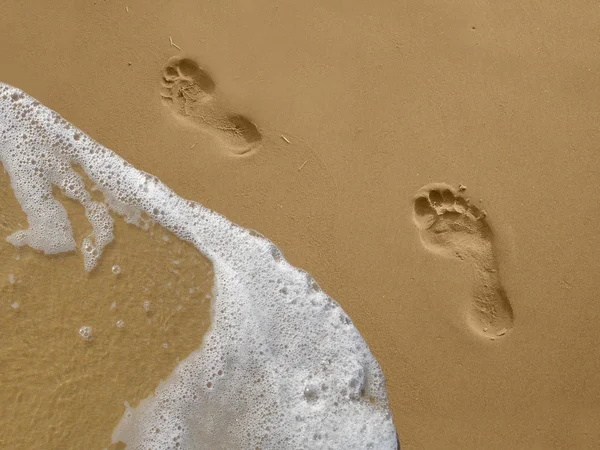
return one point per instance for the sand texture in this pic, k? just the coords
(434, 166)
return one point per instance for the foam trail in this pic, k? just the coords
(281, 367)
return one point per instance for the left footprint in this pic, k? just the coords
(190, 92)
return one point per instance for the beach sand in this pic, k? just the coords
(359, 109)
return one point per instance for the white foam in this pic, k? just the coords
(282, 365)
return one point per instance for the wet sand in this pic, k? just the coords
(359, 106)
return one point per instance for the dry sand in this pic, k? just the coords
(359, 105)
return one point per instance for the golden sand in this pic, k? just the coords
(376, 100)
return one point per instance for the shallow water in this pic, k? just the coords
(64, 384)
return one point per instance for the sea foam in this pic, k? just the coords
(282, 365)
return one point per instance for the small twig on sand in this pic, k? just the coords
(193, 145)
(173, 43)
(127, 8)
(285, 139)
(303, 164)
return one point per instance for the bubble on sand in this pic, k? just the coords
(86, 332)
(116, 269)
(120, 324)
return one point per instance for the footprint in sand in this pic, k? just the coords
(190, 92)
(450, 226)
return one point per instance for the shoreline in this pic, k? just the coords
(387, 99)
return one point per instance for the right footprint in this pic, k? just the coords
(450, 226)
(190, 92)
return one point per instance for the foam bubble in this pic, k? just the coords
(282, 365)
(86, 332)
